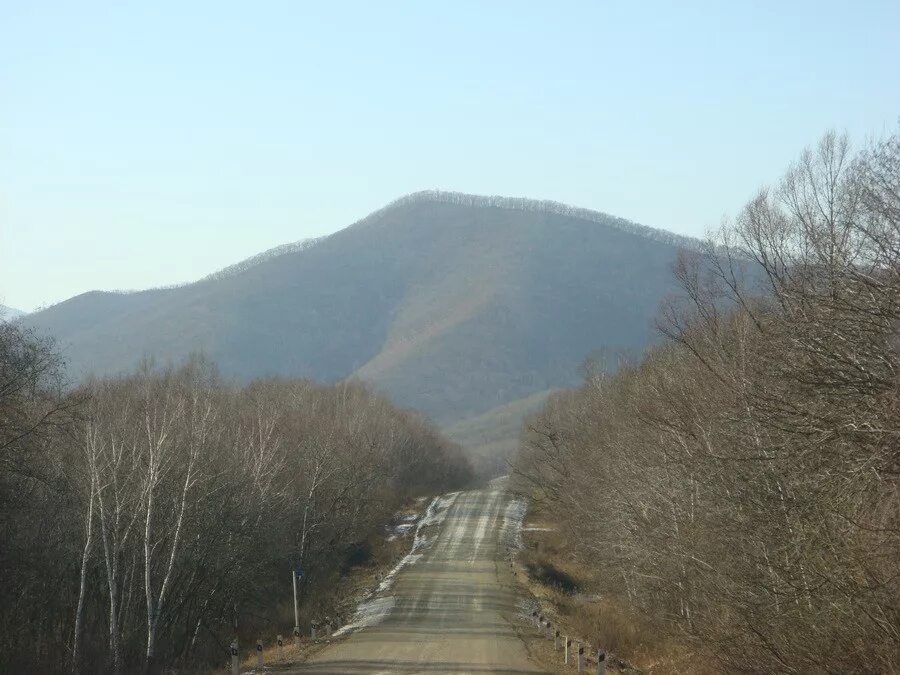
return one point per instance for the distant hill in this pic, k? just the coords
(452, 304)
(10, 313)
(492, 437)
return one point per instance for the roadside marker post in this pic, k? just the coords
(580, 658)
(259, 654)
(312, 630)
(566, 653)
(235, 665)
(280, 642)
(296, 573)
(601, 662)
(556, 641)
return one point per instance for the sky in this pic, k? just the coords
(146, 144)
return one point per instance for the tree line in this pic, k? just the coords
(739, 485)
(531, 206)
(148, 518)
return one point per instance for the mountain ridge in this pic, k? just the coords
(435, 196)
(450, 303)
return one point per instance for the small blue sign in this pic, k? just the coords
(298, 571)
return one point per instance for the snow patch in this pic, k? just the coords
(374, 608)
(368, 613)
(525, 607)
(434, 515)
(399, 530)
(401, 525)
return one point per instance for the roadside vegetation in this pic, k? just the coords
(737, 489)
(149, 518)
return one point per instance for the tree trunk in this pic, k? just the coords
(82, 587)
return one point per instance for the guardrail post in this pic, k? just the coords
(280, 641)
(568, 647)
(580, 658)
(601, 662)
(259, 654)
(235, 664)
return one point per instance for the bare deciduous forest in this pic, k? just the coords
(148, 518)
(739, 485)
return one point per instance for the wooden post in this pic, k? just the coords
(296, 608)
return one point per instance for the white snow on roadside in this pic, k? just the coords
(399, 530)
(434, 515)
(368, 613)
(374, 608)
(401, 525)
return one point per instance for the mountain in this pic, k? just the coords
(10, 313)
(452, 304)
(492, 437)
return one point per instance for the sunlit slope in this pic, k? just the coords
(493, 436)
(451, 304)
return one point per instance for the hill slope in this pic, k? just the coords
(450, 303)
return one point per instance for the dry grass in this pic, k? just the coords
(569, 593)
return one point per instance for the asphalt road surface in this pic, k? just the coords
(447, 611)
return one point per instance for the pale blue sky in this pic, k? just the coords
(151, 143)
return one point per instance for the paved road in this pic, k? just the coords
(448, 611)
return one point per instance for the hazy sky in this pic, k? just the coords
(152, 143)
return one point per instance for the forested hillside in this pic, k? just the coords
(738, 488)
(10, 313)
(148, 518)
(449, 303)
